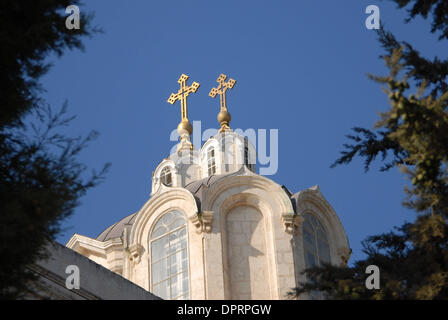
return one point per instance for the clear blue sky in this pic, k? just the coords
(300, 67)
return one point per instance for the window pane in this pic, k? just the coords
(321, 234)
(185, 286)
(309, 260)
(314, 235)
(308, 226)
(159, 248)
(177, 223)
(165, 220)
(314, 222)
(159, 271)
(174, 243)
(182, 234)
(178, 262)
(161, 290)
(175, 264)
(179, 285)
(184, 260)
(175, 285)
(309, 241)
(159, 231)
(324, 250)
(211, 167)
(177, 240)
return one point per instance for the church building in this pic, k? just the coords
(213, 228)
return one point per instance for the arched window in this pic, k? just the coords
(211, 164)
(169, 257)
(165, 177)
(315, 242)
(246, 157)
(316, 247)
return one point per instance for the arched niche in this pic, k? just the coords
(270, 200)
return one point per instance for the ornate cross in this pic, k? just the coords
(221, 90)
(182, 94)
(224, 115)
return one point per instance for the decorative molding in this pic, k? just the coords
(291, 222)
(203, 221)
(135, 253)
(344, 254)
(80, 243)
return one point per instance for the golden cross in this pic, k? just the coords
(182, 94)
(221, 90)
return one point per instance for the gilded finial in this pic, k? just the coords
(184, 128)
(224, 115)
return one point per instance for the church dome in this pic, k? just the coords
(194, 186)
(116, 230)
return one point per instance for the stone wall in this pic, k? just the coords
(247, 254)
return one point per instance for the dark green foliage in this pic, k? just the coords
(413, 136)
(40, 179)
(29, 31)
(433, 72)
(413, 262)
(370, 145)
(438, 9)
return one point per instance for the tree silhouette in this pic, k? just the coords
(41, 180)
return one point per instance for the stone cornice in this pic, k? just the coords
(78, 242)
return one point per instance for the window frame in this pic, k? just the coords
(211, 161)
(164, 174)
(168, 255)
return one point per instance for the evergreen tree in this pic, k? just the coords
(40, 179)
(413, 136)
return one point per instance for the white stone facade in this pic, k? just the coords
(244, 231)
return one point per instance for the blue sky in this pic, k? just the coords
(301, 67)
